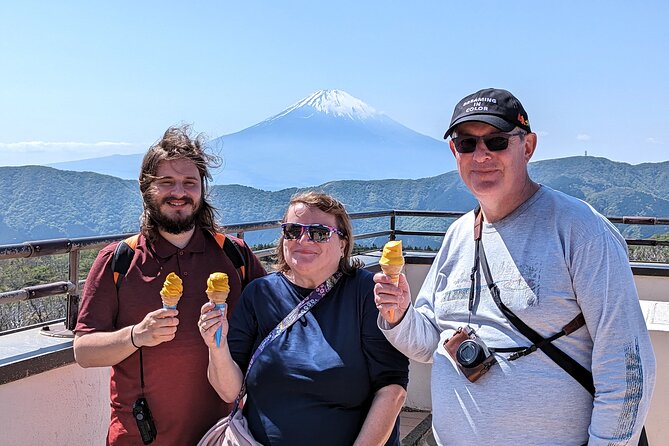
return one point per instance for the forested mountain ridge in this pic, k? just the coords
(41, 202)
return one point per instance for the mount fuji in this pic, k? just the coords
(327, 136)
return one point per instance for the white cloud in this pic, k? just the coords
(541, 133)
(44, 146)
(651, 140)
(46, 152)
(583, 137)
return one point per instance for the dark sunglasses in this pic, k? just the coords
(494, 141)
(317, 233)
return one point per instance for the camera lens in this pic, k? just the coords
(470, 354)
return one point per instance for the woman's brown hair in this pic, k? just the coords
(332, 206)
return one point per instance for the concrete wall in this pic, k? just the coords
(418, 391)
(651, 288)
(657, 423)
(67, 406)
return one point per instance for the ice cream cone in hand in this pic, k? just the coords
(218, 297)
(393, 271)
(217, 291)
(392, 262)
(171, 291)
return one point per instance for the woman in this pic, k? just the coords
(331, 378)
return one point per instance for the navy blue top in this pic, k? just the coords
(313, 384)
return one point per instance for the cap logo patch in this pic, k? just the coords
(471, 101)
(477, 104)
(522, 119)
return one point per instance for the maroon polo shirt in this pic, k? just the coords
(183, 403)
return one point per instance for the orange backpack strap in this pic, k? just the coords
(220, 238)
(123, 254)
(125, 251)
(234, 253)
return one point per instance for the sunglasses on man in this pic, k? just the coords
(494, 141)
(316, 232)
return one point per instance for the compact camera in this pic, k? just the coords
(470, 353)
(142, 414)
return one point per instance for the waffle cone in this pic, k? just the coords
(393, 271)
(170, 301)
(218, 297)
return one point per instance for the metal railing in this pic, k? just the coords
(73, 247)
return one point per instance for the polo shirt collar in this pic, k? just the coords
(165, 249)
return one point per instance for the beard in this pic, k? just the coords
(173, 225)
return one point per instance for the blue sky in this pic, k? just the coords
(81, 79)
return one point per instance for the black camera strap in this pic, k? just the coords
(141, 411)
(141, 371)
(580, 373)
(566, 362)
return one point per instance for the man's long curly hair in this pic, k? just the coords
(178, 143)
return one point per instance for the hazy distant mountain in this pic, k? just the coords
(41, 202)
(327, 136)
(121, 166)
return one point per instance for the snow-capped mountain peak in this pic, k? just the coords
(333, 102)
(329, 135)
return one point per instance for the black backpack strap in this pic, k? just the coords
(234, 253)
(232, 250)
(123, 254)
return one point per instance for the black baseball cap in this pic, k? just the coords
(493, 106)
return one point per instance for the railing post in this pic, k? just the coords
(392, 226)
(73, 297)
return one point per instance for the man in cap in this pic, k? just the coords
(529, 314)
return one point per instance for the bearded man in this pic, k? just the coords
(156, 354)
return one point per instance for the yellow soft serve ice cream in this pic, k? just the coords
(392, 254)
(172, 290)
(218, 287)
(218, 282)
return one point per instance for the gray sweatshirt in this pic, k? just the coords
(552, 258)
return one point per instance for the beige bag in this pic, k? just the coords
(232, 430)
